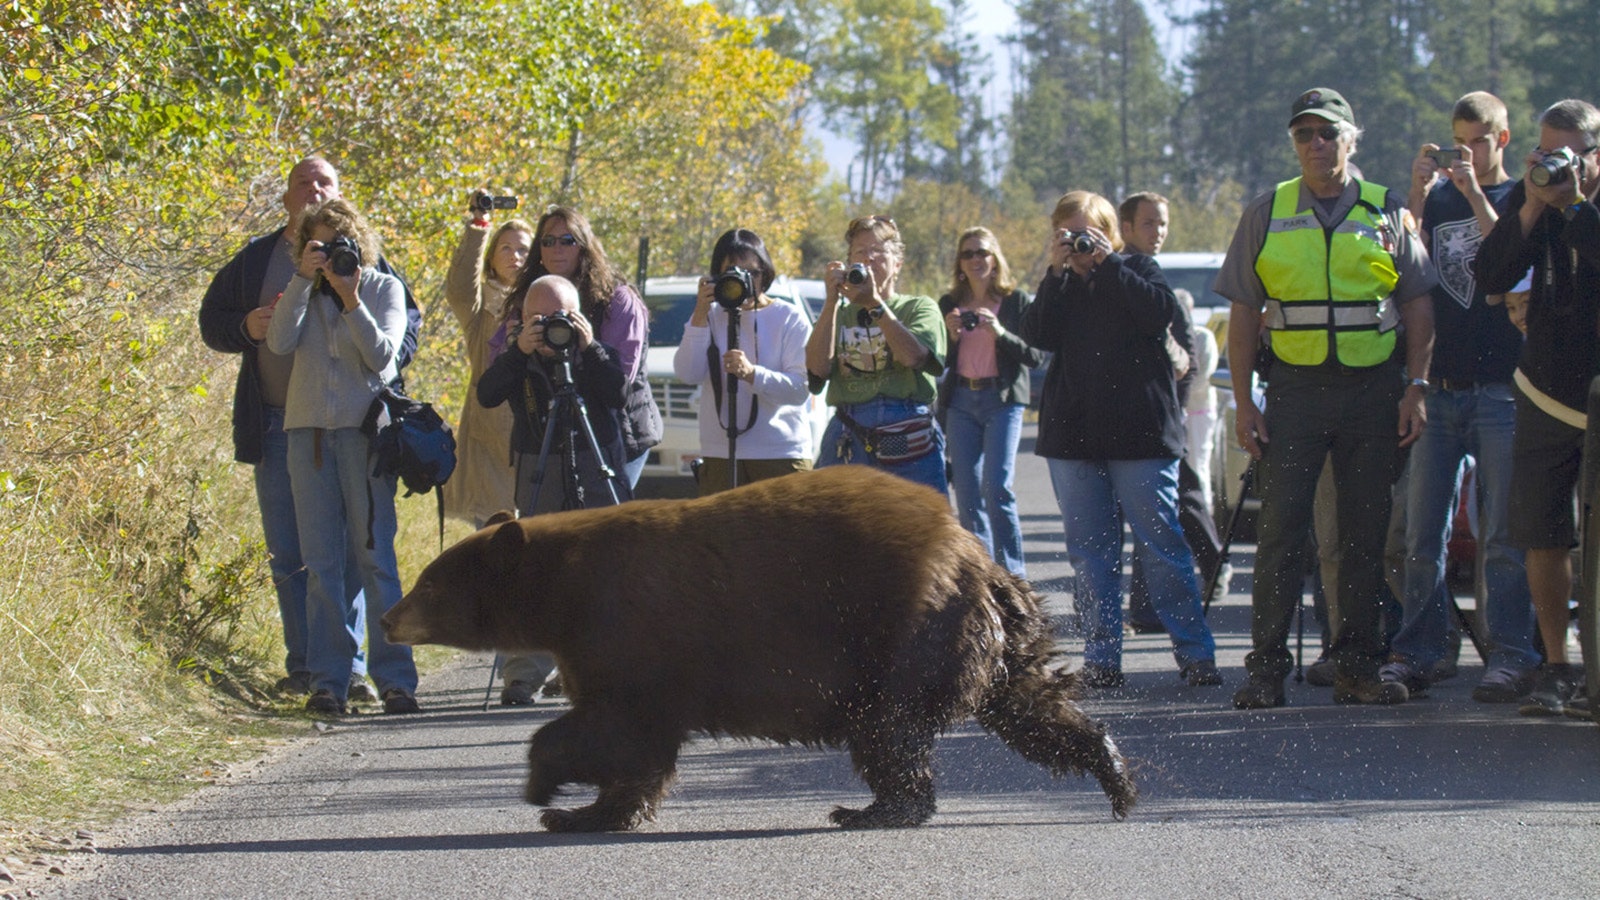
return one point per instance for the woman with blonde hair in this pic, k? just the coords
(344, 321)
(481, 276)
(985, 391)
(1111, 429)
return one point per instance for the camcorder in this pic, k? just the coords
(969, 320)
(483, 201)
(1078, 241)
(857, 274)
(733, 287)
(344, 256)
(1553, 167)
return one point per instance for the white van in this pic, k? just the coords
(671, 302)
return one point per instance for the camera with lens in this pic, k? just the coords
(969, 320)
(1553, 167)
(1078, 241)
(733, 287)
(560, 334)
(483, 201)
(857, 274)
(344, 256)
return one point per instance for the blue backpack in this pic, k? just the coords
(412, 443)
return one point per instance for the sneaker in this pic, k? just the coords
(1259, 693)
(1399, 671)
(1101, 676)
(1503, 684)
(1557, 685)
(516, 693)
(295, 683)
(1370, 690)
(361, 691)
(553, 687)
(324, 703)
(1320, 673)
(1202, 673)
(1223, 580)
(1578, 707)
(399, 702)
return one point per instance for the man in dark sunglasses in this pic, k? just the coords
(1329, 265)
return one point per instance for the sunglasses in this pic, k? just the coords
(552, 240)
(974, 254)
(1305, 133)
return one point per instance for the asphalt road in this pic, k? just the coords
(1441, 797)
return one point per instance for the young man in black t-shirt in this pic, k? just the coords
(1459, 193)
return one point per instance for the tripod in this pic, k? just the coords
(568, 415)
(731, 427)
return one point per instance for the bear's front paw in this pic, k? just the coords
(588, 819)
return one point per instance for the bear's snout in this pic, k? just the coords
(401, 624)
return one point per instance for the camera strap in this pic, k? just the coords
(714, 363)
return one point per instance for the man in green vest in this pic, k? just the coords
(1330, 267)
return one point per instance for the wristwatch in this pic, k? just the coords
(1420, 382)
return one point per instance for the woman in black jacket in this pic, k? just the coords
(984, 391)
(1111, 429)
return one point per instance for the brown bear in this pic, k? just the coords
(842, 607)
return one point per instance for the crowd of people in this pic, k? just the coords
(1388, 362)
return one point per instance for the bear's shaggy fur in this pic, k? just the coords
(842, 607)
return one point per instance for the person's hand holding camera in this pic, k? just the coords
(1558, 192)
(703, 298)
(1081, 255)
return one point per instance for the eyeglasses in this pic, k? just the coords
(1305, 133)
(979, 253)
(551, 240)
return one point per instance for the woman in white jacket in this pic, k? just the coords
(343, 320)
(769, 411)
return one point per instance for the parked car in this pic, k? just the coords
(671, 302)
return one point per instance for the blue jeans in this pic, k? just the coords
(1089, 493)
(983, 432)
(1478, 421)
(276, 501)
(839, 446)
(332, 493)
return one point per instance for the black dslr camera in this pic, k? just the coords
(969, 320)
(344, 256)
(1078, 241)
(560, 334)
(483, 201)
(733, 287)
(1553, 167)
(857, 274)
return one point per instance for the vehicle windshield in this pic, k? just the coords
(669, 313)
(1197, 281)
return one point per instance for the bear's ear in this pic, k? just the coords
(499, 518)
(505, 545)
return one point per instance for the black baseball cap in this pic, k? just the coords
(1325, 103)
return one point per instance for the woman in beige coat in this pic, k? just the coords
(481, 275)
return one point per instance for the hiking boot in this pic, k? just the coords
(361, 691)
(1259, 693)
(1320, 673)
(1398, 671)
(1202, 673)
(324, 703)
(1557, 685)
(295, 683)
(1369, 689)
(1503, 684)
(1101, 676)
(399, 702)
(516, 693)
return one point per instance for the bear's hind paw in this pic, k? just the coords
(589, 819)
(882, 815)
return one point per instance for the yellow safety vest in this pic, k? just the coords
(1329, 288)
